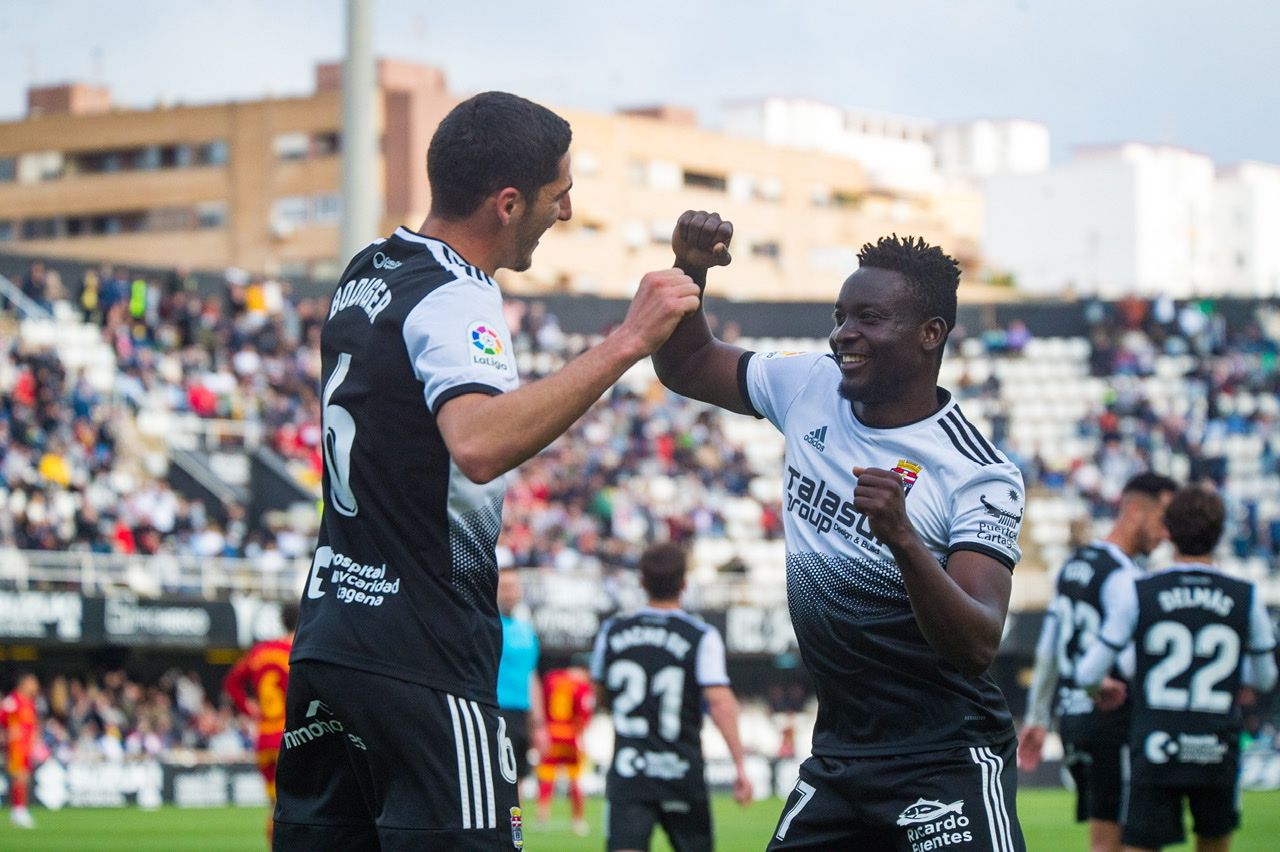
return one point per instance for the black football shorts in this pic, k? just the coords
(1154, 815)
(373, 762)
(687, 822)
(960, 798)
(1100, 774)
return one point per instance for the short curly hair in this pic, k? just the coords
(1195, 518)
(932, 274)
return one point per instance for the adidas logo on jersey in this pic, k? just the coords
(818, 438)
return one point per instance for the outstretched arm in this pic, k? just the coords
(490, 435)
(693, 362)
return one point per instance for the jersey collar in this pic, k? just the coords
(442, 250)
(946, 402)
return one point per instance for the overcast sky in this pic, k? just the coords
(1203, 75)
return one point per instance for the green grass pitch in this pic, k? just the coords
(1045, 818)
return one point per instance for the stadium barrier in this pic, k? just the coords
(71, 618)
(151, 783)
(147, 783)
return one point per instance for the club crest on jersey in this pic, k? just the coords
(817, 438)
(909, 472)
(517, 828)
(486, 346)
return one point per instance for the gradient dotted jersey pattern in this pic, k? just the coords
(881, 688)
(404, 580)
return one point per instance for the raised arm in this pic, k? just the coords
(490, 435)
(693, 362)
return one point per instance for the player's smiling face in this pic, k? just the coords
(550, 204)
(877, 337)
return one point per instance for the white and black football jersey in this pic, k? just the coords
(1197, 635)
(653, 666)
(404, 579)
(882, 689)
(1076, 614)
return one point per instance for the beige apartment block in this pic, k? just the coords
(256, 185)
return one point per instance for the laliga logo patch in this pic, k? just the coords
(486, 346)
(909, 472)
(485, 339)
(517, 828)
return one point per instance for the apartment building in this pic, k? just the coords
(256, 185)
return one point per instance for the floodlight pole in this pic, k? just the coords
(360, 194)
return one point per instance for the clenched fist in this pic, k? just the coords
(878, 495)
(663, 299)
(701, 240)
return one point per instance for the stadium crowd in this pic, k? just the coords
(642, 465)
(112, 718)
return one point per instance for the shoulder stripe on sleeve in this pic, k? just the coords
(958, 422)
(955, 442)
(991, 451)
(743, 391)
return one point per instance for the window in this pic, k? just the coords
(41, 166)
(289, 213)
(703, 180)
(8, 169)
(766, 249)
(40, 229)
(169, 219)
(149, 158)
(212, 154)
(844, 198)
(211, 214)
(326, 144)
(6, 231)
(326, 209)
(291, 146)
(769, 189)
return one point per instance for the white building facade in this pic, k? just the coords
(985, 147)
(895, 151)
(1128, 219)
(1246, 220)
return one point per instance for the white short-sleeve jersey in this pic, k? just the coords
(882, 688)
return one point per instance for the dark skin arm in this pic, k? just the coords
(960, 608)
(693, 362)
